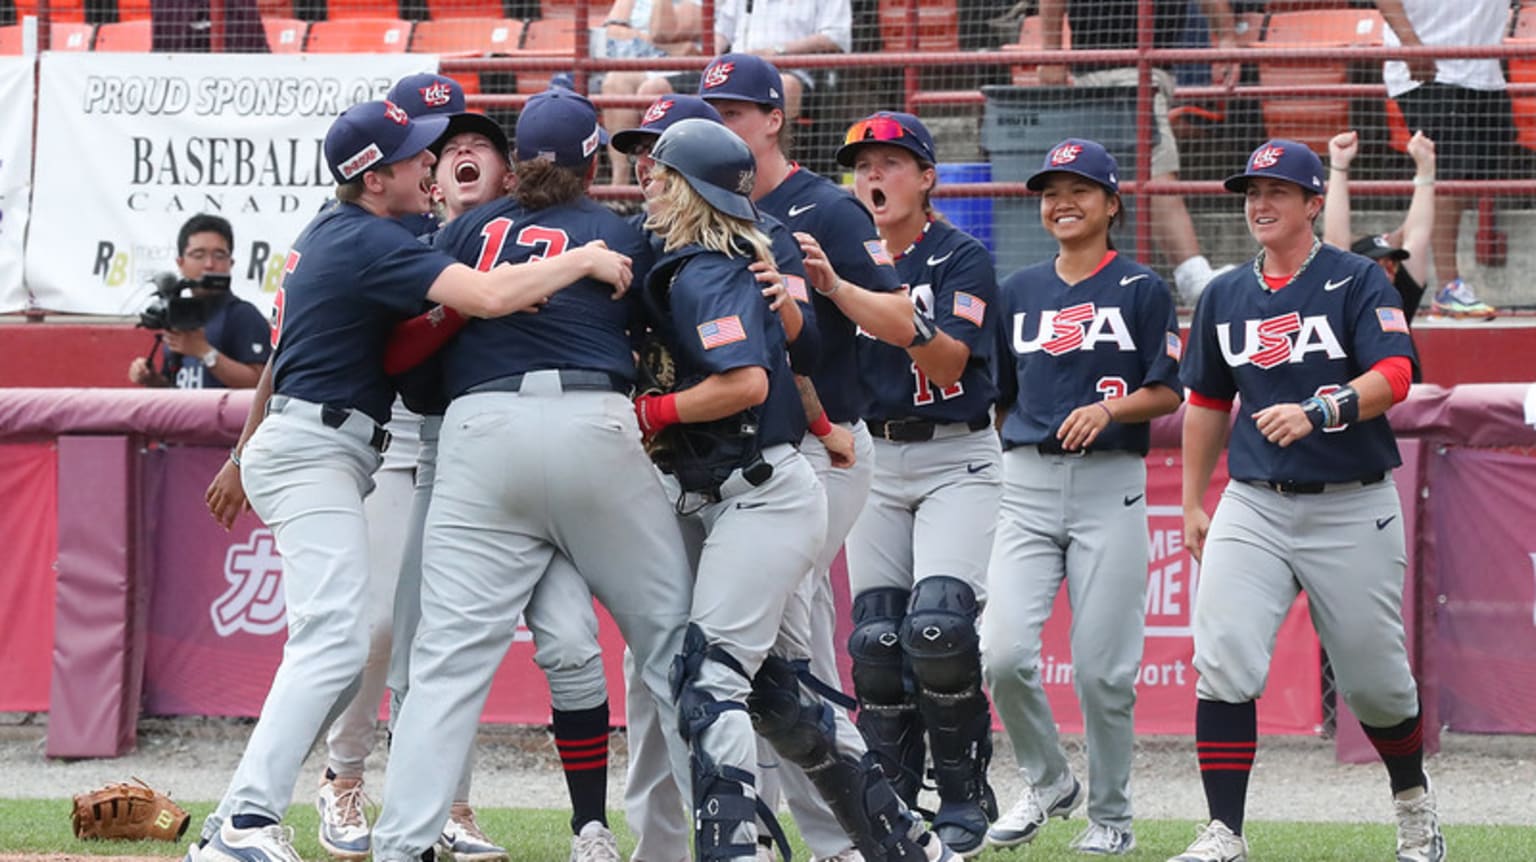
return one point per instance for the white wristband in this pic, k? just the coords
(1422, 181)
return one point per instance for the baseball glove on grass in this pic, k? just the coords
(128, 812)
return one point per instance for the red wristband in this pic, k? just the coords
(821, 426)
(655, 412)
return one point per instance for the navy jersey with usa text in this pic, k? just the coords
(809, 203)
(1340, 317)
(710, 311)
(581, 327)
(949, 275)
(350, 277)
(1063, 346)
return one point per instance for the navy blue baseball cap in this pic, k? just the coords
(743, 77)
(1377, 246)
(560, 126)
(888, 127)
(428, 93)
(374, 134)
(659, 116)
(1280, 159)
(1080, 156)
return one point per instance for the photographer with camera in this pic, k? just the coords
(212, 338)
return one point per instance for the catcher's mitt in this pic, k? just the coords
(658, 375)
(129, 812)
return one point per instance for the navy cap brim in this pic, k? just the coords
(730, 203)
(629, 140)
(478, 124)
(424, 132)
(1038, 179)
(1239, 182)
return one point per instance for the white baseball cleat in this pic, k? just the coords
(594, 843)
(263, 844)
(1022, 822)
(1418, 829)
(464, 840)
(1215, 843)
(849, 855)
(343, 822)
(1101, 839)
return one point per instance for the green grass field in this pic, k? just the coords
(42, 827)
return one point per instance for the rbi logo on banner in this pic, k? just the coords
(253, 602)
(1171, 575)
(110, 264)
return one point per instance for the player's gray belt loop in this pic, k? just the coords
(1317, 487)
(571, 380)
(355, 423)
(923, 430)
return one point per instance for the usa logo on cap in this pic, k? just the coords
(1066, 154)
(718, 74)
(1267, 157)
(436, 95)
(656, 111)
(396, 113)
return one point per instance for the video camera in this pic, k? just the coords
(175, 309)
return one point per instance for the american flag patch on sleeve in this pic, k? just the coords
(1175, 347)
(878, 254)
(721, 331)
(794, 285)
(970, 307)
(1392, 320)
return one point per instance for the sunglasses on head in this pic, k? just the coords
(875, 129)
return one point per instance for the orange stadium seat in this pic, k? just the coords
(467, 37)
(275, 8)
(353, 9)
(285, 35)
(67, 11)
(938, 25)
(546, 37)
(438, 10)
(10, 39)
(1031, 39)
(71, 37)
(131, 10)
(1312, 121)
(359, 36)
(1522, 70)
(1249, 26)
(123, 36)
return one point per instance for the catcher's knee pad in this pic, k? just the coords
(697, 709)
(875, 646)
(939, 635)
(798, 725)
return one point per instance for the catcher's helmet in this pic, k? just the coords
(715, 162)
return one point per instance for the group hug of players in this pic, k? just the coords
(848, 372)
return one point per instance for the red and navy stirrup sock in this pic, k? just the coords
(1225, 737)
(582, 737)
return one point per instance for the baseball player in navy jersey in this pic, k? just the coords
(917, 555)
(473, 169)
(859, 289)
(1314, 342)
(349, 277)
(535, 396)
(732, 467)
(1088, 347)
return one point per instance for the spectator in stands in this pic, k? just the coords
(230, 349)
(1110, 24)
(769, 28)
(187, 26)
(1463, 106)
(644, 28)
(1402, 252)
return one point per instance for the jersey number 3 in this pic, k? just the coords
(547, 242)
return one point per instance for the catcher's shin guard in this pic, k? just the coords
(725, 803)
(888, 717)
(939, 636)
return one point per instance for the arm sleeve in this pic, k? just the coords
(1399, 373)
(415, 340)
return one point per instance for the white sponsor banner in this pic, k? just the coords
(131, 145)
(15, 175)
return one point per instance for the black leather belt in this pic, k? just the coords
(1318, 487)
(334, 417)
(918, 430)
(571, 380)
